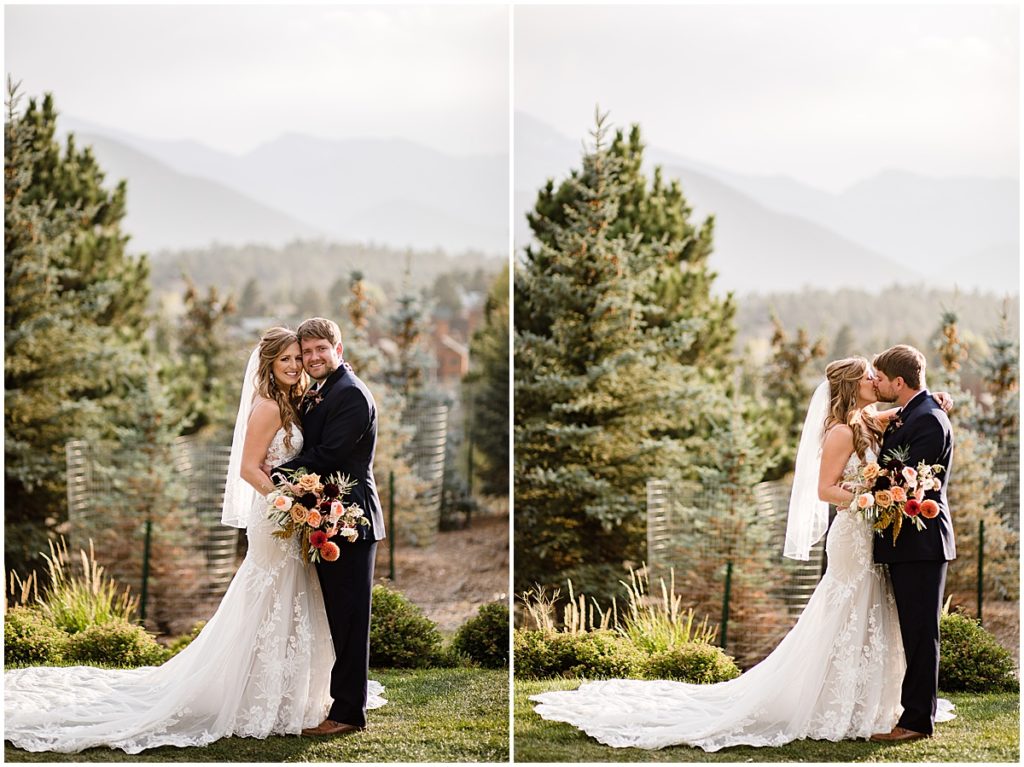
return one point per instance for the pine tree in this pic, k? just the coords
(74, 319)
(657, 213)
(251, 303)
(789, 382)
(974, 489)
(202, 377)
(486, 391)
(406, 371)
(601, 392)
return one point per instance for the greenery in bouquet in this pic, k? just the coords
(314, 512)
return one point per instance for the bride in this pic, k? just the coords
(838, 673)
(261, 665)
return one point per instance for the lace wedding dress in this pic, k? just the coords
(261, 666)
(836, 675)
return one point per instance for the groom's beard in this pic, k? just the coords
(326, 374)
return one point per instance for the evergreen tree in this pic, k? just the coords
(657, 213)
(974, 489)
(487, 391)
(251, 303)
(406, 371)
(601, 391)
(792, 374)
(74, 319)
(203, 379)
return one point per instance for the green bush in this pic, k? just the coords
(971, 658)
(183, 641)
(117, 644)
(30, 639)
(593, 654)
(696, 662)
(400, 635)
(484, 638)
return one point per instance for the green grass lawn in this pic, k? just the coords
(433, 715)
(987, 729)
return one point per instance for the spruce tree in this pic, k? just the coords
(601, 388)
(486, 391)
(974, 489)
(74, 319)
(658, 214)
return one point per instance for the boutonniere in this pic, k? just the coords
(311, 399)
(894, 423)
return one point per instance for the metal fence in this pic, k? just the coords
(192, 556)
(698, 530)
(427, 449)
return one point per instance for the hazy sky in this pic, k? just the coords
(234, 77)
(826, 94)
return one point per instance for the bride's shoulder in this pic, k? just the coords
(839, 436)
(265, 410)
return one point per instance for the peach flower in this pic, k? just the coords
(314, 519)
(884, 499)
(299, 513)
(899, 495)
(865, 501)
(871, 470)
(282, 503)
(308, 482)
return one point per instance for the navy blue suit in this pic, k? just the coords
(918, 560)
(339, 427)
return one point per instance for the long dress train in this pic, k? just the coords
(836, 675)
(261, 666)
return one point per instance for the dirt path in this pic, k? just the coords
(462, 570)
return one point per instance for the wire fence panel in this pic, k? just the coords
(698, 529)
(428, 459)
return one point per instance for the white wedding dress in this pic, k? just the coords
(261, 666)
(835, 676)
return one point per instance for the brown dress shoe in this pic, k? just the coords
(898, 735)
(328, 727)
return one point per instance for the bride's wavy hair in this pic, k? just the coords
(843, 382)
(272, 345)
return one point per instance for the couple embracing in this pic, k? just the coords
(862, 661)
(287, 650)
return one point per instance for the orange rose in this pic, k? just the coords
(314, 518)
(308, 482)
(299, 513)
(865, 501)
(884, 499)
(330, 551)
(871, 470)
(929, 509)
(899, 495)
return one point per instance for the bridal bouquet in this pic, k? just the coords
(892, 493)
(314, 512)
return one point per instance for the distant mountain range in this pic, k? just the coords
(182, 194)
(775, 233)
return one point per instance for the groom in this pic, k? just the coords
(339, 425)
(917, 561)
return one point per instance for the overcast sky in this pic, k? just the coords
(826, 94)
(234, 77)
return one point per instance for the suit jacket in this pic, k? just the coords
(340, 435)
(923, 428)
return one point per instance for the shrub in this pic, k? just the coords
(30, 639)
(400, 635)
(116, 643)
(484, 638)
(696, 662)
(593, 654)
(971, 658)
(180, 643)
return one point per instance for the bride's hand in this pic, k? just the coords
(945, 401)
